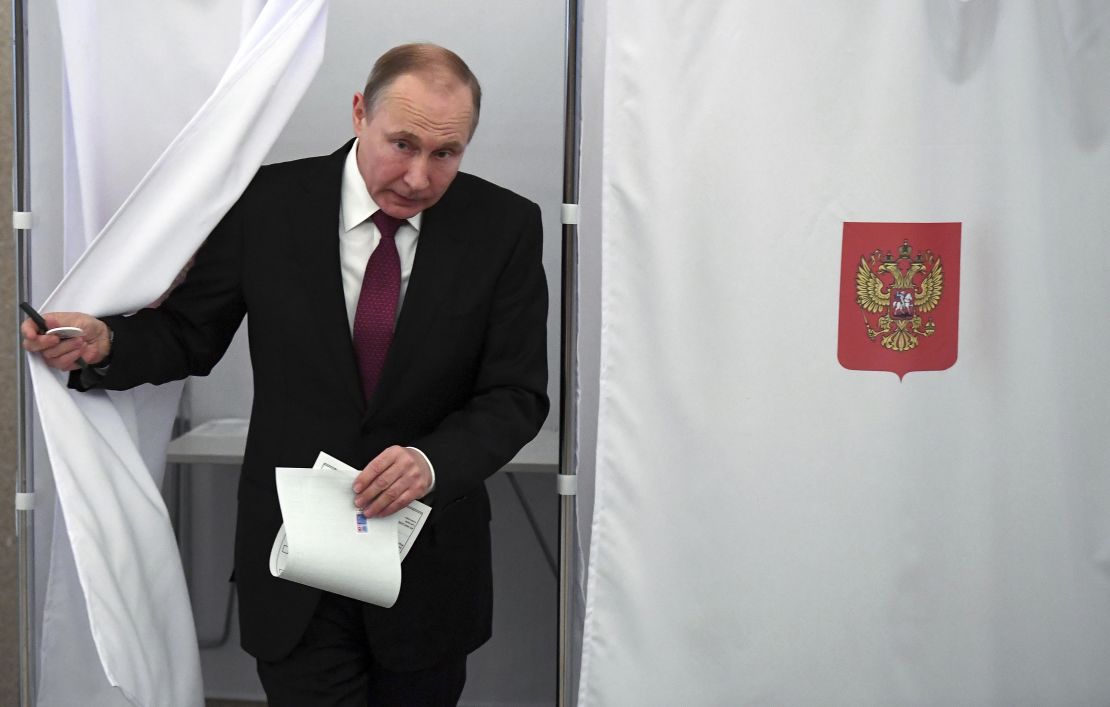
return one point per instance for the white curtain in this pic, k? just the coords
(142, 81)
(769, 526)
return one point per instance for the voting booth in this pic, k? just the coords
(833, 393)
(264, 82)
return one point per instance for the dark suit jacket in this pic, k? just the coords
(465, 382)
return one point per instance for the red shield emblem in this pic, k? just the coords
(899, 297)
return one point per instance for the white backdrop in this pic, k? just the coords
(770, 527)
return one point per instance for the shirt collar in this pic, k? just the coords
(356, 203)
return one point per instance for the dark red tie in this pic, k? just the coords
(377, 303)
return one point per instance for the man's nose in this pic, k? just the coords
(416, 177)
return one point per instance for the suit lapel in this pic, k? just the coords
(316, 238)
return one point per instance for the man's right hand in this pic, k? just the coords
(93, 345)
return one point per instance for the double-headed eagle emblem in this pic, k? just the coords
(899, 289)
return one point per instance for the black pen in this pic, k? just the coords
(40, 323)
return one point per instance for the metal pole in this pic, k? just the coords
(568, 389)
(25, 480)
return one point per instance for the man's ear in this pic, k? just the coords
(358, 109)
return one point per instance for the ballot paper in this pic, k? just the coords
(325, 542)
(410, 519)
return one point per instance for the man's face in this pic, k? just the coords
(411, 145)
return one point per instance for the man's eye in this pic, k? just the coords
(401, 144)
(444, 154)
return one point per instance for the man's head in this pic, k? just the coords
(414, 121)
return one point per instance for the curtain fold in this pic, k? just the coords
(116, 601)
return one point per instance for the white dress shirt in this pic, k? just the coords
(358, 237)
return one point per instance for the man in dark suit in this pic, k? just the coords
(456, 387)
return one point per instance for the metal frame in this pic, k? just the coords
(25, 474)
(568, 388)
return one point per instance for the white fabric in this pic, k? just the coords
(358, 237)
(145, 58)
(103, 450)
(771, 528)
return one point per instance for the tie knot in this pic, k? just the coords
(387, 224)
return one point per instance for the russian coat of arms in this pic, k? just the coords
(899, 296)
(899, 289)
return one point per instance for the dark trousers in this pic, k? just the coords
(332, 667)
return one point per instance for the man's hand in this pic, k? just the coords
(391, 481)
(93, 345)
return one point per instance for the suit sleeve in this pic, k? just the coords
(509, 401)
(192, 329)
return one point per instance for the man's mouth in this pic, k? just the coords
(409, 199)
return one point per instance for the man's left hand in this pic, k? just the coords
(391, 481)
